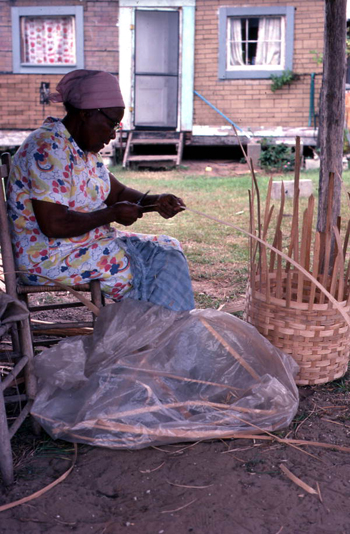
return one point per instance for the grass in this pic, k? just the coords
(217, 254)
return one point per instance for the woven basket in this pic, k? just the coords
(314, 334)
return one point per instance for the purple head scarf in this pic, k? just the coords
(89, 89)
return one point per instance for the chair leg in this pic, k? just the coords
(6, 461)
(15, 334)
(27, 349)
(96, 295)
(15, 339)
(29, 377)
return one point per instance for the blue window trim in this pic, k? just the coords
(225, 12)
(46, 11)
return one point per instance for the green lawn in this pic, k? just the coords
(217, 254)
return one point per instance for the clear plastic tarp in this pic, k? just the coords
(150, 376)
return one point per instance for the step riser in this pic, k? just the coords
(134, 140)
(155, 142)
(152, 158)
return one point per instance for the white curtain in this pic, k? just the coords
(235, 49)
(49, 41)
(269, 42)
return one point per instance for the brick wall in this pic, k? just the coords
(19, 93)
(250, 103)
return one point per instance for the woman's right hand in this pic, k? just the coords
(126, 213)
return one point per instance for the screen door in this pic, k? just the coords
(156, 69)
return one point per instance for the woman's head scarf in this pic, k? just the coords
(89, 89)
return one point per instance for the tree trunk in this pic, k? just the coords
(332, 108)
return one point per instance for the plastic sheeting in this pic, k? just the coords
(150, 376)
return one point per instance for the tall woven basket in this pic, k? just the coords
(283, 301)
(315, 335)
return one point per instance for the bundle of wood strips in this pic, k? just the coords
(285, 305)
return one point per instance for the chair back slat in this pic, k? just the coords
(5, 239)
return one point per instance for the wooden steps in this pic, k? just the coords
(152, 139)
(152, 158)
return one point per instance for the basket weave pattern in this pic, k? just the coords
(302, 305)
(316, 335)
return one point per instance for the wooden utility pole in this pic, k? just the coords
(332, 108)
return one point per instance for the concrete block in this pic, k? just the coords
(253, 153)
(108, 162)
(312, 164)
(315, 164)
(305, 188)
(108, 155)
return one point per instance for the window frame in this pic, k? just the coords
(46, 11)
(252, 72)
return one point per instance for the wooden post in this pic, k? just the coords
(332, 108)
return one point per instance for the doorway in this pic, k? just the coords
(156, 69)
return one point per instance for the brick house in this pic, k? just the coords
(188, 66)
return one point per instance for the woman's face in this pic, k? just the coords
(99, 127)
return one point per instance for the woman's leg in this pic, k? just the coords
(139, 266)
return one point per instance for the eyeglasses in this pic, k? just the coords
(116, 125)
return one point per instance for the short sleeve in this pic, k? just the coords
(50, 171)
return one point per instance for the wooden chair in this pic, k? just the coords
(19, 361)
(21, 353)
(22, 291)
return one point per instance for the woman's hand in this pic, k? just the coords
(126, 213)
(168, 205)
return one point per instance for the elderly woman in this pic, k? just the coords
(62, 201)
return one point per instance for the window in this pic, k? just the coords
(47, 39)
(255, 42)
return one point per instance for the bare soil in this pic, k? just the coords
(214, 167)
(214, 487)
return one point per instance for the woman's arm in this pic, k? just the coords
(56, 220)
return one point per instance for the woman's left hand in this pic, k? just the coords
(169, 205)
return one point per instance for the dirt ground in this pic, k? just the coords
(228, 486)
(215, 167)
(214, 487)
